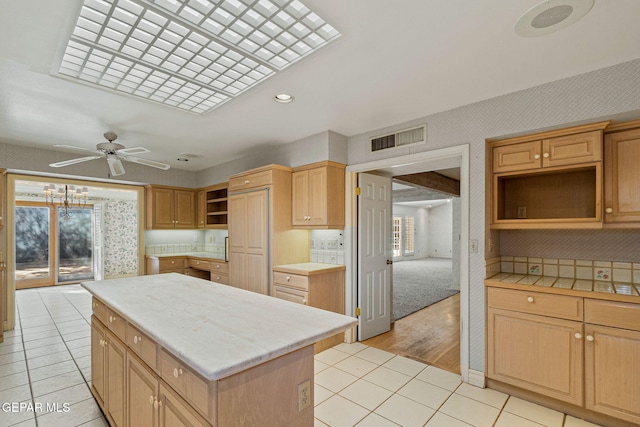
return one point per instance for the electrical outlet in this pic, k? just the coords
(313, 243)
(332, 244)
(322, 243)
(522, 212)
(304, 395)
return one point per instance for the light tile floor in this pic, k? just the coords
(46, 360)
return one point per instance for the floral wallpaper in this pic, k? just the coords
(120, 238)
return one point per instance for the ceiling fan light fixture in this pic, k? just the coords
(283, 98)
(550, 16)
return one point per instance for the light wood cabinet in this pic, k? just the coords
(621, 177)
(322, 289)
(260, 230)
(612, 357)
(318, 195)
(547, 180)
(3, 271)
(170, 208)
(2, 197)
(539, 353)
(584, 351)
(142, 394)
(98, 362)
(212, 207)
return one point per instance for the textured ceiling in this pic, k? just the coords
(394, 62)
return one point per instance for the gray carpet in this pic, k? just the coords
(419, 283)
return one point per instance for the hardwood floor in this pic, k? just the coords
(431, 335)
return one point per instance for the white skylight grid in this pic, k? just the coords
(191, 54)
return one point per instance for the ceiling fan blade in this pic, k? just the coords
(147, 162)
(133, 150)
(115, 166)
(73, 161)
(73, 147)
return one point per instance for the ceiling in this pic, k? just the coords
(394, 62)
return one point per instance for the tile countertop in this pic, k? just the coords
(201, 255)
(568, 286)
(308, 268)
(216, 330)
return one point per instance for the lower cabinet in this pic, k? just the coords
(591, 361)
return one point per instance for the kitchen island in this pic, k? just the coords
(170, 349)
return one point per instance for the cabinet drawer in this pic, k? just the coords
(291, 294)
(100, 310)
(291, 280)
(199, 264)
(253, 180)
(170, 264)
(142, 345)
(219, 268)
(185, 382)
(117, 324)
(219, 278)
(611, 313)
(562, 306)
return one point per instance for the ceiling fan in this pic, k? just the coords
(114, 153)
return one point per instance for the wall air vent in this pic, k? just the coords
(416, 135)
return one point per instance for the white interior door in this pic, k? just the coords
(374, 255)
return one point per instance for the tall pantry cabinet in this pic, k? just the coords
(260, 230)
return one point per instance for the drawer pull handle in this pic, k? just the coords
(578, 335)
(288, 278)
(177, 372)
(530, 299)
(137, 339)
(590, 338)
(112, 319)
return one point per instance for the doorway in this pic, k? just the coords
(453, 157)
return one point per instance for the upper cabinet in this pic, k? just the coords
(318, 195)
(212, 207)
(170, 208)
(548, 180)
(621, 177)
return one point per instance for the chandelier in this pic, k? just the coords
(68, 197)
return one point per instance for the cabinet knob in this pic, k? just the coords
(177, 372)
(217, 277)
(217, 265)
(155, 404)
(545, 155)
(536, 156)
(150, 400)
(590, 338)
(112, 319)
(578, 335)
(608, 210)
(246, 181)
(530, 299)
(197, 262)
(304, 301)
(288, 278)
(173, 262)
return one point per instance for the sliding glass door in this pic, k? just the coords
(51, 247)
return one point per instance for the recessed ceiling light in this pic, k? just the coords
(550, 16)
(283, 98)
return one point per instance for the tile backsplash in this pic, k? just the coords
(181, 248)
(606, 271)
(327, 246)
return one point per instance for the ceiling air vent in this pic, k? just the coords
(401, 138)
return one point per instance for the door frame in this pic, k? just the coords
(424, 161)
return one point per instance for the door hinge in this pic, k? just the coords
(358, 191)
(357, 311)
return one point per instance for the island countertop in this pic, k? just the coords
(216, 330)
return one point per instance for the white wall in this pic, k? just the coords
(441, 231)
(607, 93)
(421, 224)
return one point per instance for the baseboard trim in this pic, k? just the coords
(476, 378)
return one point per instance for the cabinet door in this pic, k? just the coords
(612, 372)
(142, 394)
(201, 207)
(621, 177)
(162, 209)
(174, 412)
(185, 209)
(537, 353)
(572, 149)
(300, 197)
(516, 157)
(116, 356)
(317, 209)
(98, 362)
